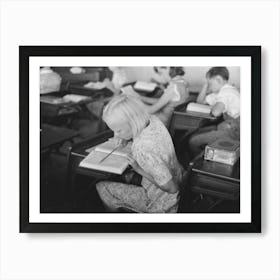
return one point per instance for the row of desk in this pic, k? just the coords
(220, 181)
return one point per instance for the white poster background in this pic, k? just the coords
(245, 142)
(139, 256)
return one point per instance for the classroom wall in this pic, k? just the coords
(196, 75)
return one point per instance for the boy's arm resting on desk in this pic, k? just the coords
(202, 95)
(218, 109)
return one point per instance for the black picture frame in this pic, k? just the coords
(254, 52)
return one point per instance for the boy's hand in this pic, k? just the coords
(202, 95)
(206, 87)
(218, 109)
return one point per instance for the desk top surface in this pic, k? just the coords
(79, 149)
(52, 135)
(92, 95)
(218, 170)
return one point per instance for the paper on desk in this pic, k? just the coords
(113, 164)
(75, 98)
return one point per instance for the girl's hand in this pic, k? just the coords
(133, 163)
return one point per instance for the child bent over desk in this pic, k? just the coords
(153, 157)
(224, 100)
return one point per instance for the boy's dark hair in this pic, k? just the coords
(176, 71)
(173, 71)
(156, 68)
(218, 71)
(105, 73)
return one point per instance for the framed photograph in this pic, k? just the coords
(140, 139)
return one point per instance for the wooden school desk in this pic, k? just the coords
(52, 137)
(181, 120)
(75, 155)
(219, 181)
(51, 112)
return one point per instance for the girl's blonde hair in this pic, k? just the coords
(131, 109)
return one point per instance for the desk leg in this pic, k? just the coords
(69, 189)
(217, 202)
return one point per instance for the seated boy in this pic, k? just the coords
(224, 100)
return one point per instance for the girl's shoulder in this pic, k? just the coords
(153, 133)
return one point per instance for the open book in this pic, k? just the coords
(75, 98)
(52, 100)
(98, 158)
(145, 86)
(199, 110)
(68, 98)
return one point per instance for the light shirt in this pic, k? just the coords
(119, 76)
(179, 85)
(230, 97)
(49, 81)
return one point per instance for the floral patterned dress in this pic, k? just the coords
(154, 152)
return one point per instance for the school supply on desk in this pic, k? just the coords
(223, 150)
(49, 99)
(199, 110)
(95, 85)
(107, 157)
(68, 98)
(108, 154)
(75, 98)
(145, 86)
(110, 145)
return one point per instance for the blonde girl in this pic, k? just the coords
(152, 156)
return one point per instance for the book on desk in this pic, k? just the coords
(66, 99)
(107, 157)
(145, 86)
(199, 110)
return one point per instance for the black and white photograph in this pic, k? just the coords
(141, 136)
(139, 140)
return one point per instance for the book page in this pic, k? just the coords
(198, 108)
(52, 99)
(109, 145)
(113, 164)
(145, 86)
(75, 98)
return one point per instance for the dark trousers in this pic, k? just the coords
(229, 128)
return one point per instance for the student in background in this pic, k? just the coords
(161, 76)
(50, 81)
(114, 80)
(153, 157)
(119, 78)
(174, 94)
(224, 100)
